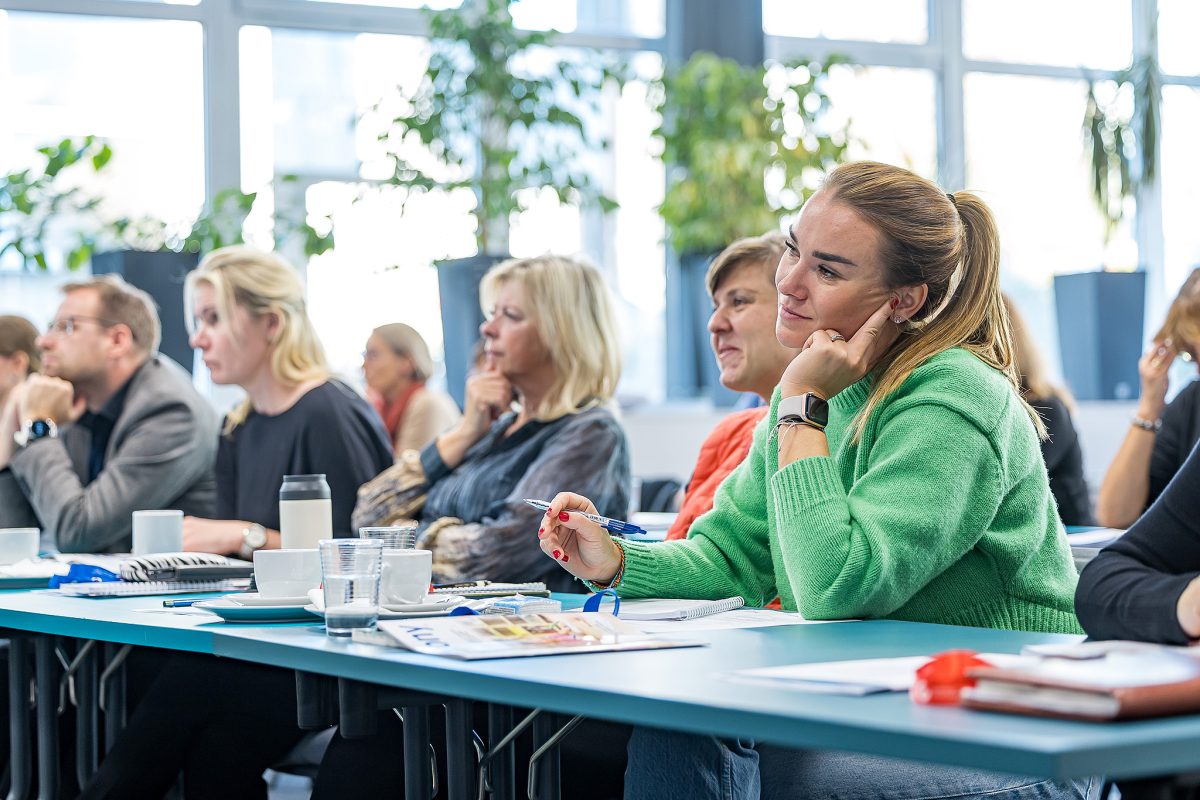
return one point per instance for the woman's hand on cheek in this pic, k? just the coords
(828, 364)
(581, 546)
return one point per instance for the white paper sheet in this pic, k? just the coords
(738, 618)
(861, 677)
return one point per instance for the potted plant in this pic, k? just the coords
(1101, 314)
(55, 214)
(472, 123)
(743, 148)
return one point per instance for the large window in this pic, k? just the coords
(136, 83)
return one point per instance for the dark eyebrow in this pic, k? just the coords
(831, 257)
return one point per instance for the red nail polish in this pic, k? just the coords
(566, 559)
(564, 516)
(541, 530)
(895, 302)
(556, 552)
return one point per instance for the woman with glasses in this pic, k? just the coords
(1161, 434)
(396, 365)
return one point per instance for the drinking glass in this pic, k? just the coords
(350, 570)
(392, 537)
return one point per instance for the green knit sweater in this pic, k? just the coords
(942, 512)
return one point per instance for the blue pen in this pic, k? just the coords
(614, 525)
(177, 603)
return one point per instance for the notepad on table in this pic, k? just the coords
(676, 609)
(147, 588)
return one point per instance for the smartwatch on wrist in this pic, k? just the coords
(254, 537)
(804, 409)
(34, 429)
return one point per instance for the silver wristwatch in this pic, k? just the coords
(254, 537)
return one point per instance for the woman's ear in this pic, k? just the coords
(912, 299)
(273, 326)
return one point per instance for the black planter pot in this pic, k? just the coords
(161, 275)
(691, 369)
(458, 291)
(1100, 323)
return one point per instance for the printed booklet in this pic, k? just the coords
(504, 636)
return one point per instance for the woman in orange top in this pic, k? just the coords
(741, 282)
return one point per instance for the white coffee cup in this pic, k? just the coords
(286, 573)
(405, 577)
(18, 544)
(157, 532)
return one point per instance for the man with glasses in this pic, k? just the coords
(109, 427)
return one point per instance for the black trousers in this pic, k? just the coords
(593, 760)
(219, 722)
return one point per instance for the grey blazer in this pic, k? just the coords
(160, 455)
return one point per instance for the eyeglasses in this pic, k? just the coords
(67, 325)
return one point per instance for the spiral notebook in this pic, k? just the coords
(645, 610)
(144, 588)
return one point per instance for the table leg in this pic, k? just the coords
(112, 692)
(544, 770)
(20, 746)
(46, 670)
(460, 747)
(502, 767)
(87, 715)
(418, 781)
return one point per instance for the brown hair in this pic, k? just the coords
(1182, 325)
(128, 305)
(1031, 370)
(950, 243)
(765, 251)
(405, 341)
(17, 335)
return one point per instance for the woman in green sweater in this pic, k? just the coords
(898, 475)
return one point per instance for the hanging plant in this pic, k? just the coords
(1121, 137)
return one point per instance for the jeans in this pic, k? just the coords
(664, 765)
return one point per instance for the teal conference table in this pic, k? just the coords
(685, 689)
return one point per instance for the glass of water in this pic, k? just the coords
(393, 537)
(350, 570)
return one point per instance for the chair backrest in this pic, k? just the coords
(659, 494)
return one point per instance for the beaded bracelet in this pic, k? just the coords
(616, 578)
(1153, 426)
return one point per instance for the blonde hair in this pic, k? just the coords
(262, 283)
(1031, 370)
(127, 305)
(405, 341)
(17, 335)
(1182, 325)
(570, 308)
(950, 243)
(764, 251)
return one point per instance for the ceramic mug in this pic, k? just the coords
(406, 575)
(286, 573)
(18, 544)
(157, 532)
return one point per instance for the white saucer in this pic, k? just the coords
(233, 612)
(432, 602)
(256, 599)
(384, 613)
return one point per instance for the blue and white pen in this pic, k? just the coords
(614, 525)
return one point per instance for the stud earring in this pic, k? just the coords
(897, 319)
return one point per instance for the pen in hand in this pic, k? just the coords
(613, 525)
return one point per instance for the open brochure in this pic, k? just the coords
(503, 636)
